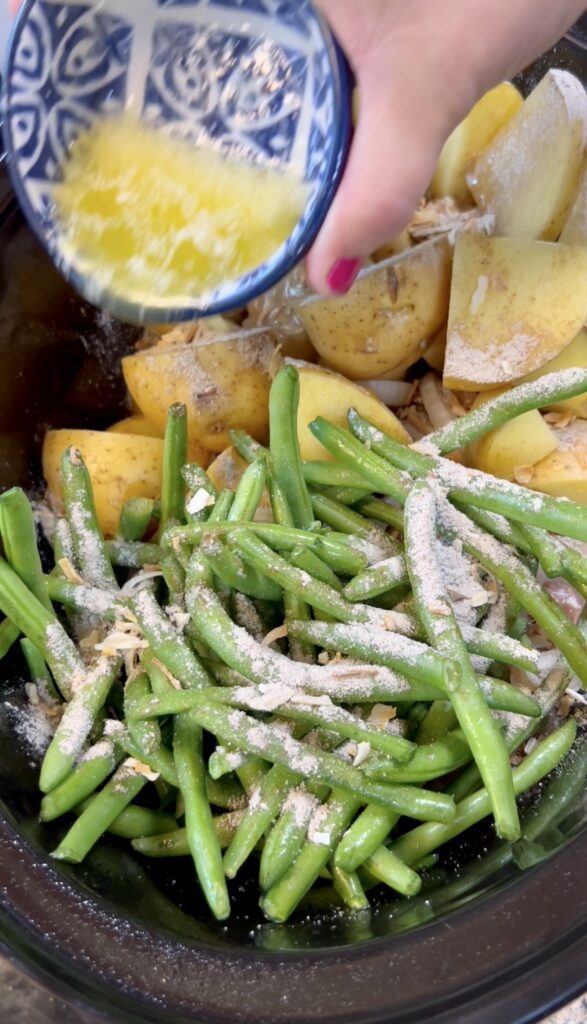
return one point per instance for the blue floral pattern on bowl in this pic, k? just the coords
(259, 79)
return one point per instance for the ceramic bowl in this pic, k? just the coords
(262, 80)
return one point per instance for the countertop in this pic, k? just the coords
(22, 1001)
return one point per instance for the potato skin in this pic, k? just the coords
(515, 305)
(388, 316)
(327, 394)
(140, 426)
(223, 384)
(121, 466)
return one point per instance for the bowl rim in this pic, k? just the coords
(253, 283)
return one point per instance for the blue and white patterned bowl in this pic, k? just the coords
(261, 79)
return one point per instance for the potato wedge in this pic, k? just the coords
(528, 177)
(137, 425)
(470, 138)
(436, 351)
(384, 322)
(574, 231)
(574, 355)
(515, 305)
(142, 427)
(122, 466)
(523, 441)
(224, 384)
(563, 474)
(324, 393)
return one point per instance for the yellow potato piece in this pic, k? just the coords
(574, 355)
(523, 441)
(515, 305)
(575, 228)
(121, 466)
(528, 177)
(327, 394)
(470, 138)
(386, 319)
(564, 473)
(224, 384)
(226, 470)
(436, 351)
(137, 425)
(141, 427)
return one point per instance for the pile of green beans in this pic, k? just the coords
(289, 691)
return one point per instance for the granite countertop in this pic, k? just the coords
(22, 1001)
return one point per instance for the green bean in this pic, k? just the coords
(383, 512)
(266, 800)
(174, 576)
(226, 793)
(136, 822)
(223, 761)
(346, 520)
(42, 628)
(135, 518)
(366, 834)
(63, 544)
(379, 474)
(294, 605)
(249, 492)
(128, 554)
(390, 869)
(339, 551)
(174, 458)
(439, 721)
(196, 479)
(91, 553)
(555, 557)
(308, 561)
(264, 560)
(168, 645)
(423, 840)
(77, 722)
(146, 735)
(349, 888)
(285, 449)
(378, 579)
(9, 634)
(285, 840)
(431, 761)
(330, 717)
(279, 902)
(343, 495)
(95, 767)
(200, 831)
(473, 487)
(414, 660)
(519, 581)
(117, 794)
(480, 731)
(38, 669)
(175, 843)
(333, 474)
(550, 389)
(234, 574)
(19, 536)
(245, 445)
(272, 745)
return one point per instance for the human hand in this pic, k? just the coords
(420, 66)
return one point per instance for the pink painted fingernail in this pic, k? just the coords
(343, 275)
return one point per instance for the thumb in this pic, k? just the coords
(391, 163)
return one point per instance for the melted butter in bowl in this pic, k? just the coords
(148, 217)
